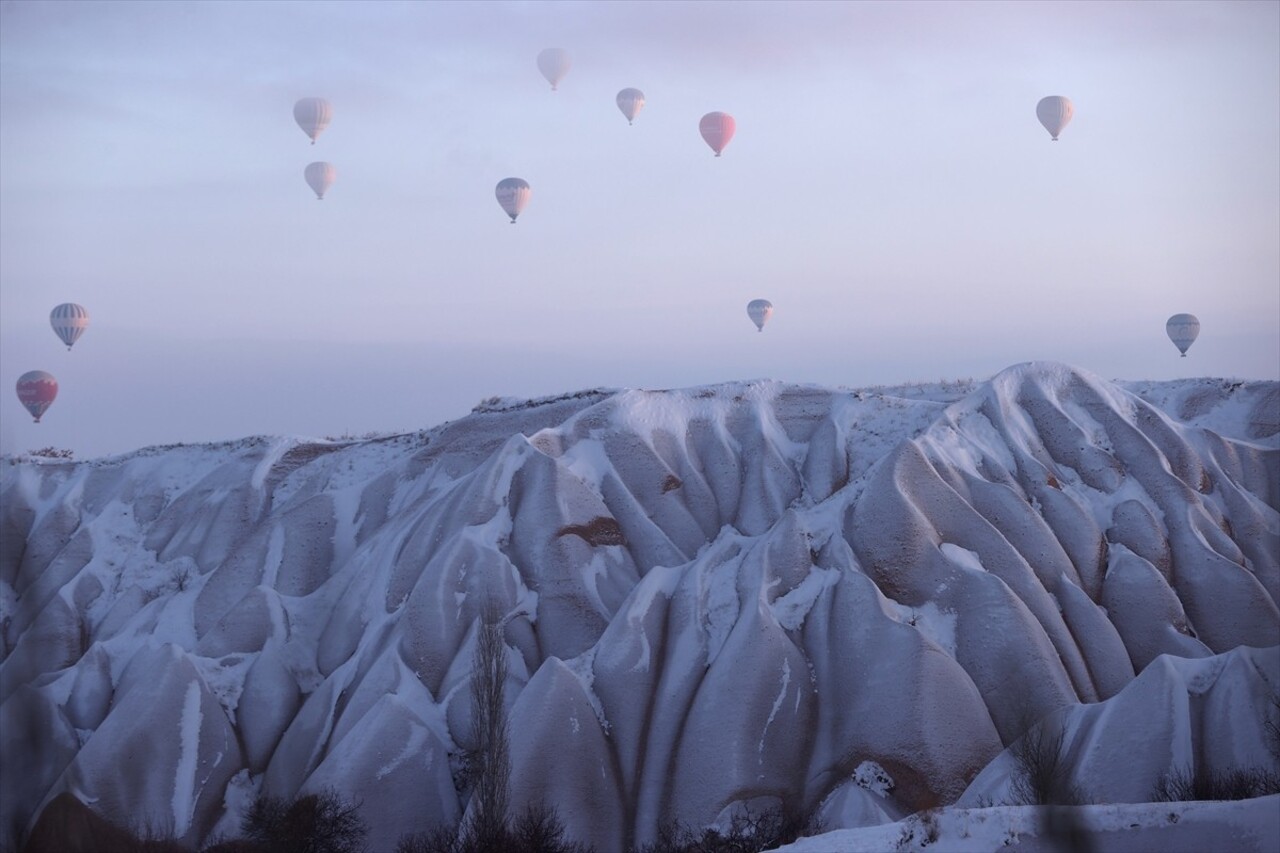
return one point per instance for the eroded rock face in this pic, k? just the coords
(721, 596)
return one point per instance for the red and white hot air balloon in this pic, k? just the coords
(717, 129)
(36, 392)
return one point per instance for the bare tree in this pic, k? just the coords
(490, 763)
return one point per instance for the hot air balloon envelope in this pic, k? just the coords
(1183, 330)
(759, 310)
(1054, 112)
(69, 321)
(717, 129)
(320, 177)
(630, 101)
(36, 392)
(513, 194)
(554, 64)
(312, 115)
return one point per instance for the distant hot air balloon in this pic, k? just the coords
(69, 321)
(760, 310)
(554, 64)
(717, 129)
(36, 391)
(312, 115)
(513, 194)
(630, 101)
(1054, 112)
(320, 177)
(1183, 330)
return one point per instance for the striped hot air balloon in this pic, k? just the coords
(69, 321)
(313, 116)
(36, 392)
(1054, 112)
(630, 101)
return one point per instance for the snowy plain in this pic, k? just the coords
(848, 601)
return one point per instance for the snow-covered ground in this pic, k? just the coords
(850, 600)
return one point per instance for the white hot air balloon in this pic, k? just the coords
(313, 116)
(1054, 112)
(69, 321)
(513, 194)
(1183, 330)
(759, 310)
(320, 177)
(554, 64)
(631, 101)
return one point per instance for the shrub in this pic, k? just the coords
(1185, 785)
(538, 830)
(1040, 775)
(316, 823)
(748, 832)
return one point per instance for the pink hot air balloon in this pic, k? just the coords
(36, 390)
(717, 129)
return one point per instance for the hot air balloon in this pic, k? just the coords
(36, 391)
(759, 310)
(554, 64)
(630, 101)
(1054, 112)
(312, 115)
(320, 177)
(1183, 330)
(513, 194)
(717, 129)
(69, 321)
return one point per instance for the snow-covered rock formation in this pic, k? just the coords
(747, 593)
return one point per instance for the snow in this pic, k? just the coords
(846, 599)
(1250, 826)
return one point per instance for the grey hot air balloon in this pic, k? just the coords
(630, 101)
(1054, 112)
(513, 194)
(1183, 330)
(320, 177)
(554, 64)
(760, 310)
(313, 116)
(69, 321)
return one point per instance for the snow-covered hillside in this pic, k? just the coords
(749, 593)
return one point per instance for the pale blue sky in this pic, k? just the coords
(889, 189)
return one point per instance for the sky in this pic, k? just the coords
(889, 189)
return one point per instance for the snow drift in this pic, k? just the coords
(749, 593)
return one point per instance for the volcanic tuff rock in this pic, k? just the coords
(728, 594)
